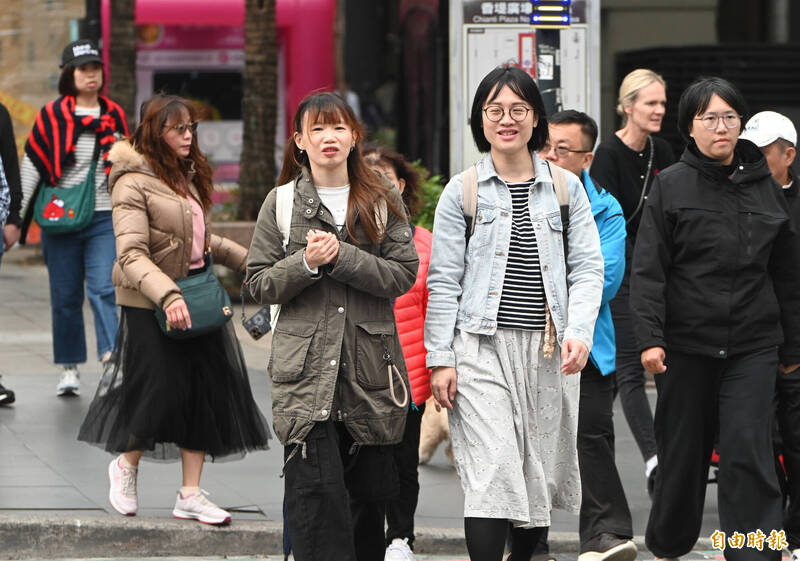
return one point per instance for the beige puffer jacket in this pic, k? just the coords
(153, 228)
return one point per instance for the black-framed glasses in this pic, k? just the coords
(561, 151)
(711, 120)
(518, 112)
(181, 128)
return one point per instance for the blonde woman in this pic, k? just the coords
(625, 165)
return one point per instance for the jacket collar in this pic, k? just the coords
(486, 169)
(309, 198)
(594, 193)
(750, 164)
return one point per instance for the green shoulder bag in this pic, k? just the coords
(209, 305)
(60, 210)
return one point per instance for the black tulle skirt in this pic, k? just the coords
(167, 394)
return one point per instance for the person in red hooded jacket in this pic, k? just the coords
(409, 313)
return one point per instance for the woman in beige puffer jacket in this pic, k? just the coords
(187, 398)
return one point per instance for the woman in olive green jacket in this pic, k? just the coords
(337, 370)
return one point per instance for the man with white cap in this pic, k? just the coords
(776, 136)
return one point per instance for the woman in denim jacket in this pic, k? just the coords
(499, 301)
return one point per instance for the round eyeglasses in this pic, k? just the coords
(518, 112)
(711, 120)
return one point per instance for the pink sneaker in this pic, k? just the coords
(198, 507)
(122, 492)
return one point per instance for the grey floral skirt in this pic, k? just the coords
(514, 428)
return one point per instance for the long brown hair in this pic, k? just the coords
(366, 187)
(379, 155)
(168, 166)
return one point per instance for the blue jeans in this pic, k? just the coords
(71, 258)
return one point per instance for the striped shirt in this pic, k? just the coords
(73, 175)
(522, 302)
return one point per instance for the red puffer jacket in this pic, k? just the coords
(409, 312)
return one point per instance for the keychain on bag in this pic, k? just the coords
(258, 324)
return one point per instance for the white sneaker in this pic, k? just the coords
(198, 507)
(398, 550)
(69, 383)
(795, 555)
(122, 487)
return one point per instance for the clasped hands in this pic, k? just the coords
(322, 248)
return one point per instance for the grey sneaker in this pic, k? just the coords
(198, 507)
(69, 383)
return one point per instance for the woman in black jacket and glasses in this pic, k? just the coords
(716, 310)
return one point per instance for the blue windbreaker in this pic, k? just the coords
(610, 223)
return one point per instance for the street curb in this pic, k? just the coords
(48, 536)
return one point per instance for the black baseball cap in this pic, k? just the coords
(79, 53)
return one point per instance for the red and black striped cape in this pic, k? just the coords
(51, 144)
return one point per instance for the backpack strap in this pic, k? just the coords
(469, 185)
(284, 204)
(562, 194)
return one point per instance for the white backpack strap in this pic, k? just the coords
(284, 204)
(469, 183)
(381, 217)
(560, 185)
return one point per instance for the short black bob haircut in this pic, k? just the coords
(695, 99)
(66, 82)
(519, 82)
(572, 117)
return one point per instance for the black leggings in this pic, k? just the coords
(486, 539)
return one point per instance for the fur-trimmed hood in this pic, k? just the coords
(125, 159)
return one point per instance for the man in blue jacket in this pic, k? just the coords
(605, 519)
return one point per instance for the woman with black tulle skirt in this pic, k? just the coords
(169, 398)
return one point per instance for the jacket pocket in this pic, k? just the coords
(371, 365)
(290, 343)
(484, 224)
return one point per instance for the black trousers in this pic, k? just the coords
(329, 496)
(630, 374)
(400, 510)
(696, 396)
(788, 408)
(604, 507)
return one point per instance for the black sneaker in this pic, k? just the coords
(608, 547)
(6, 396)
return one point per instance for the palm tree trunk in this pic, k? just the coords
(122, 57)
(257, 165)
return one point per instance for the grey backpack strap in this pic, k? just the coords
(562, 194)
(469, 184)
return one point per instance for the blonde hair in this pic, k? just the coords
(631, 84)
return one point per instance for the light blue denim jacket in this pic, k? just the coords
(465, 281)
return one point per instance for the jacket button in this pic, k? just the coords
(189, 212)
(308, 211)
(310, 201)
(340, 310)
(722, 353)
(324, 412)
(333, 363)
(321, 212)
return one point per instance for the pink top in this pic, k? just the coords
(198, 234)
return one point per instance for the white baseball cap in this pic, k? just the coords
(768, 126)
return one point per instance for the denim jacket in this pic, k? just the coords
(465, 281)
(611, 227)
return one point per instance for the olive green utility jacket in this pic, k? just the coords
(329, 347)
